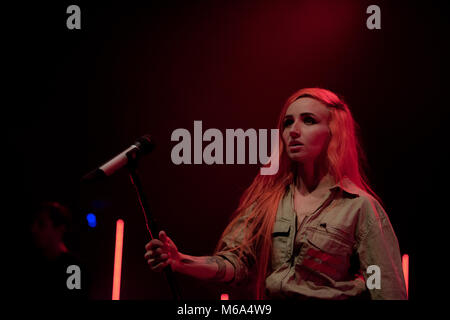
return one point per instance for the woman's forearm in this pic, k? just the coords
(213, 268)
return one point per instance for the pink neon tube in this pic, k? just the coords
(405, 265)
(118, 260)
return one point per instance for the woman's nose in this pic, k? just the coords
(295, 132)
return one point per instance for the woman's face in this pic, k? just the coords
(305, 129)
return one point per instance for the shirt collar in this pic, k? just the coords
(346, 185)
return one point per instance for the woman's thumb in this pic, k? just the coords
(162, 236)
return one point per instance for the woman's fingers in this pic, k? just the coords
(156, 250)
(164, 256)
(154, 243)
(155, 261)
(159, 266)
(148, 255)
(160, 252)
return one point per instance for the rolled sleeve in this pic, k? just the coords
(242, 262)
(240, 268)
(378, 245)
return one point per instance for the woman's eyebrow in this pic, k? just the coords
(307, 114)
(301, 114)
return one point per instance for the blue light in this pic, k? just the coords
(91, 219)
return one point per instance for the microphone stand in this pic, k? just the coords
(149, 221)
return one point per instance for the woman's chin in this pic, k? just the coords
(297, 157)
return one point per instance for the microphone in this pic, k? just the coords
(141, 146)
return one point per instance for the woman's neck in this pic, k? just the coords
(308, 177)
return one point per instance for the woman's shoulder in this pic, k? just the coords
(368, 203)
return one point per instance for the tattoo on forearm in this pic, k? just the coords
(187, 261)
(222, 268)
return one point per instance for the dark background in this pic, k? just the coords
(80, 97)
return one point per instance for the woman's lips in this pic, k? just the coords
(296, 147)
(295, 143)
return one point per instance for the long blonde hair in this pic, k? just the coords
(344, 158)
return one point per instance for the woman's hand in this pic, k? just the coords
(160, 253)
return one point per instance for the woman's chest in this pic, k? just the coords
(305, 206)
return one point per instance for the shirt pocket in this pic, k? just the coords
(328, 251)
(280, 242)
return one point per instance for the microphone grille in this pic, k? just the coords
(145, 143)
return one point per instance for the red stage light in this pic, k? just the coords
(118, 260)
(405, 265)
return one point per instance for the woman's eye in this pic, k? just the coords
(309, 120)
(288, 122)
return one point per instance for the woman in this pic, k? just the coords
(315, 229)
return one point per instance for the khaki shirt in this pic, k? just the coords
(327, 255)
